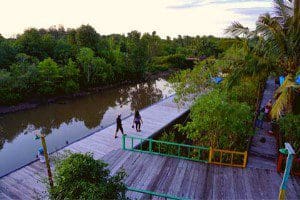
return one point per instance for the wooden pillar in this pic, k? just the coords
(245, 159)
(210, 154)
(47, 160)
(279, 163)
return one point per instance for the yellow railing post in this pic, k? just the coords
(210, 154)
(245, 159)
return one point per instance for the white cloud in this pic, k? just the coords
(206, 17)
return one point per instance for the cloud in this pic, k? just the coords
(251, 11)
(188, 4)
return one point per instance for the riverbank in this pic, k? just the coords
(34, 103)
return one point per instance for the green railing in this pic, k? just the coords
(164, 148)
(151, 193)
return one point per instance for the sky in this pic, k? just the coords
(166, 17)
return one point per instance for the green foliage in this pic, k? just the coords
(166, 148)
(172, 61)
(86, 36)
(158, 68)
(30, 43)
(247, 91)
(7, 54)
(189, 83)
(49, 75)
(218, 122)
(63, 51)
(290, 126)
(98, 60)
(79, 176)
(85, 58)
(70, 75)
(6, 89)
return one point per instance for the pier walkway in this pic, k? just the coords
(28, 181)
(263, 155)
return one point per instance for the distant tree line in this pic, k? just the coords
(41, 63)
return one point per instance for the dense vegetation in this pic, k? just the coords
(221, 115)
(43, 63)
(79, 176)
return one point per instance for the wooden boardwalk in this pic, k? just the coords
(194, 180)
(263, 155)
(167, 175)
(28, 181)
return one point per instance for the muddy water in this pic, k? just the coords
(67, 121)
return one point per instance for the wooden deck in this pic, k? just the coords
(27, 182)
(194, 180)
(167, 175)
(264, 155)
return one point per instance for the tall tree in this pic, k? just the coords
(30, 43)
(86, 36)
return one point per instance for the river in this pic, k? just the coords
(70, 120)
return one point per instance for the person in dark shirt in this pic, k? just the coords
(119, 126)
(137, 120)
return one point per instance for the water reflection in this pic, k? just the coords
(68, 121)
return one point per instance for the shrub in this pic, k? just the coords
(158, 68)
(290, 126)
(246, 91)
(79, 176)
(219, 123)
(172, 61)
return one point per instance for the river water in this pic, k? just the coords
(71, 120)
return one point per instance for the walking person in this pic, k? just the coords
(119, 126)
(260, 118)
(137, 121)
(268, 109)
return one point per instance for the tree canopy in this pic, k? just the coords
(59, 61)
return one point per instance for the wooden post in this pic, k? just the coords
(210, 154)
(279, 163)
(47, 160)
(245, 159)
(289, 161)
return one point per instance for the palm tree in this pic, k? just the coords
(280, 34)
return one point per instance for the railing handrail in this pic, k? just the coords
(230, 151)
(211, 151)
(166, 142)
(167, 196)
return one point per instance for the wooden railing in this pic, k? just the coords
(155, 194)
(164, 148)
(228, 158)
(184, 151)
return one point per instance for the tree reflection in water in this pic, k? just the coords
(89, 110)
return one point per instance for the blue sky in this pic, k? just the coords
(166, 17)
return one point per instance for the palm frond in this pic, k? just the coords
(283, 10)
(285, 97)
(237, 29)
(272, 30)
